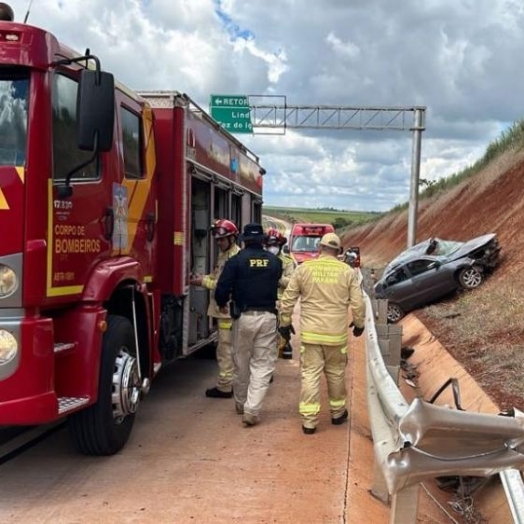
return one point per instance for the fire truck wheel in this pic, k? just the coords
(104, 427)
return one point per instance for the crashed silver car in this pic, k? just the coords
(433, 269)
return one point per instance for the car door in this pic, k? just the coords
(399, 288)
(430, 280)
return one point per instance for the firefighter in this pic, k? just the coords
(326, 287)
(225, 233)
(250, 279)
(275, 241)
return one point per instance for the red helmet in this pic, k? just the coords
(224, 228)
(275, 238)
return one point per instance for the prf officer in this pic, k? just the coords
(250, 279)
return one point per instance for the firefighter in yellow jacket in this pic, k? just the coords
(225, 233)
(274, 243)
(326, 288)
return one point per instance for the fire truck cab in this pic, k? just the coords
(304, 239)
(106, 199)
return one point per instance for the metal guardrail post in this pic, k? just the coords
(404, 505)
(395, 344)
(381, 312)
(379, 489)
(390, 343)
(514, 489)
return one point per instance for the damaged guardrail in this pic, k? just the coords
(417, 441)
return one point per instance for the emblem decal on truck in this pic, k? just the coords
(120, 205)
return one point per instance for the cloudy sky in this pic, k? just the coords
(461, 59)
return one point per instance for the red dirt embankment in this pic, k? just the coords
(489, 202)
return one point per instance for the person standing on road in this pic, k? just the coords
(326, 287)
(225, 233)
(275, 241)
(250, 281)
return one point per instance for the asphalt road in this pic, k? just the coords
(8, 433)
(190, 460)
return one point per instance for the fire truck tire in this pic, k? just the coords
(104, 428)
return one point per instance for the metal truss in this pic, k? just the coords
(280, 116)
(268, 116)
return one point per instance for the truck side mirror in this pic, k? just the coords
(96, 110)
(285, 249)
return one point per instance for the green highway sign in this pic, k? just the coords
(235, 120)
(232, 112)
(229, 101)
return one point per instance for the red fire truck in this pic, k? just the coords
(304, 239)
(106, 198)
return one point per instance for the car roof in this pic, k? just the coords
(412, 253)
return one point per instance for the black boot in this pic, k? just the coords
(216, 393)
(341, 419)
(287, 352)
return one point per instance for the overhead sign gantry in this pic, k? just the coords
(279, 116)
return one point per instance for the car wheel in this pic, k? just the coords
(395, 312)
(470, 278)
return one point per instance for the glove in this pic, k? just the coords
(356, 330)
(285, 332)
(195, 280)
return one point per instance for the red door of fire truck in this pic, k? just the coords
(111, 211)
(79, 227)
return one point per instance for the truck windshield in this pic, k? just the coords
(305, 243)
(14, 94)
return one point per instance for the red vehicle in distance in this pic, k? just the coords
(304, 239)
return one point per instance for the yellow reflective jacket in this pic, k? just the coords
(210, 281)
(288, 266)
(326, 287)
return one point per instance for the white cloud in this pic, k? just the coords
(459, 58)
(344, 49)
(276, 63)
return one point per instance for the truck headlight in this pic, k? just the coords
(8, 347)
(8, 281)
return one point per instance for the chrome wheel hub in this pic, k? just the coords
(472, 278)
(394, 313)
(126, 386)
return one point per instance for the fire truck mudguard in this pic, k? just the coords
(103, 428)
(108, 275)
